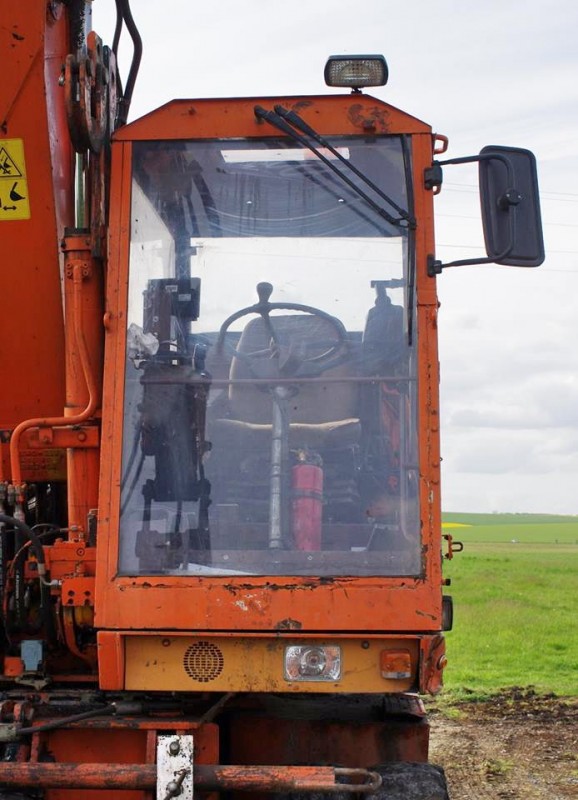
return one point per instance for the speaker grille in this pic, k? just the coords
(203, 661)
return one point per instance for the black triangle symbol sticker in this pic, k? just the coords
(8, 168)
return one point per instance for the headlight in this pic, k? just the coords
(356, 71)
(312, 663)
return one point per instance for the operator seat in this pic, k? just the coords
(323, 406)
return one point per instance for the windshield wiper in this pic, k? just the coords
(295, 120)
(277, 121)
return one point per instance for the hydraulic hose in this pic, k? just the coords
(89, 377)
(123, 7)
(38, 550)
(64, 721)
(35, 543)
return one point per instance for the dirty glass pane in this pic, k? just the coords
(270, 395)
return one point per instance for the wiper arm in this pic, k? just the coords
(278, 122)
(295, 120)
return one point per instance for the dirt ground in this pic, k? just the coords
(518, 745)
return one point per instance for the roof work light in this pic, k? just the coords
(356, 72)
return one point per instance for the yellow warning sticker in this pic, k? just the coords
(14, 203)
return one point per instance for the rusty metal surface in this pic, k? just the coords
(231, 117)
(282, 778)
(354, 731)
(86, 80)
(78, 776)
(348, 743)
(432, 663)
(48, 775)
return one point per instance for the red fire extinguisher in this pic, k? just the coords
(307, 502)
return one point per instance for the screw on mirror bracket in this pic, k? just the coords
(511, 197)
(433, 177)
(434, 266)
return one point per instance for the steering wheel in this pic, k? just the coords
(294, 358)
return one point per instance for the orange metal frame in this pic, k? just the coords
(298, 603)
(34, 44)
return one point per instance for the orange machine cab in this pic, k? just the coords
(263, 320)
(220, 534)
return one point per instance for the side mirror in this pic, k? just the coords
(510, 204)
(510, 207)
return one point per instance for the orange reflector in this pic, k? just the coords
(13, 666)
(395, 664)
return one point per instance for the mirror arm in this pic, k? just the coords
(434, 266)
(510, 198)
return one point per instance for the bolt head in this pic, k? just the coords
(174, 748)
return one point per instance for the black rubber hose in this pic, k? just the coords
(117, 29)
(35, 543)
(63, 721)
(38, 550)
(125, 101)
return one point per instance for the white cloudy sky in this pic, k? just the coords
(481, 72)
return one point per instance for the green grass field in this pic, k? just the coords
(515, 590)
